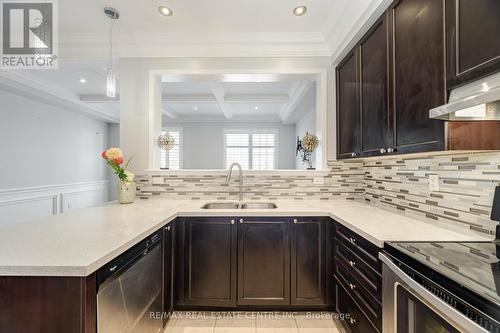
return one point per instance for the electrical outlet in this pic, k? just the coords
(319, 180)
(433, 183)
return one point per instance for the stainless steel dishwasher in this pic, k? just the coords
(130, 290)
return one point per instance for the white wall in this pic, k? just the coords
(49, 159)
(113, 141)
(203, 142)
(306, 124)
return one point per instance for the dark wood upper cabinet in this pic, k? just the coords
(264, 261)
(348, 118)
(473, 42)
(210, 262)
(374, 99)
(308, 261)
(418, 73)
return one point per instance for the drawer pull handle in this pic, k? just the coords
(112, 269)
(295, 221)
(352, 321)
(167, 228)
(241, 221)
(352, 240)
(232, 222)
(352, 263)
(352, 286)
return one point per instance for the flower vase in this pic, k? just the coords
(126, 192)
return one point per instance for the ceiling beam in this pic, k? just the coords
(297, 92)
(219, 93)
(256, 98)
(189, 98)
(99, 98)
(169, 113)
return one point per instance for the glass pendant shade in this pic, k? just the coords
(110, 83)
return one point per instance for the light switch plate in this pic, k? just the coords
(319, 180)
(433, 183)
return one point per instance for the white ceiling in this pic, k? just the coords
(280, 101)
(198, 28)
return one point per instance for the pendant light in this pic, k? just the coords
(110, 75)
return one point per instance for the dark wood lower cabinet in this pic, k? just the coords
(209, 262)
(308, 261)
(48, 304)
(355, 321)
(264, 261)
(168, 269)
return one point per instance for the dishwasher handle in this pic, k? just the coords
(113, 269)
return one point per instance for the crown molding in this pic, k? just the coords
(340, 42)
(96, 45)
(26, 85)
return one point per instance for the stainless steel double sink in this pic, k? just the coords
(239, 205)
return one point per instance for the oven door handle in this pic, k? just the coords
(436, 304)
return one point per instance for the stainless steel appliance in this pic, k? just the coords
(440, 287)
(130, 290)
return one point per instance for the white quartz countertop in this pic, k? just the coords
(80, 242)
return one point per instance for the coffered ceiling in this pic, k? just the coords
(279, 101)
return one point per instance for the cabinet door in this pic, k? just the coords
(308, 262)
(348, 120)
(374, 101)
(264, 261)
(168, 270)
(473, 42)
(357, 321)
(418, 73)
(210, 262)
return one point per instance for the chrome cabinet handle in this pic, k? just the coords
(167, 228)
(352, 240)
(383, 151)
(241, 221)
(390, 150)
(112, 269)
(354, 154)
(295, 221)
(232, 222)
(352, 263)
(352, 321)
(352, 286)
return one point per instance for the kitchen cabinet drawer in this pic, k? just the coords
(357, 321)
(363, 272)
(363, 248)
(367, 302)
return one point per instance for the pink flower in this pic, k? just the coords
(103, 154)
(118, 160)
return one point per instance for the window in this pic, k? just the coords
(252, 149)
(172, 159)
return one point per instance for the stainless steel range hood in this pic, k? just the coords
(479, 100)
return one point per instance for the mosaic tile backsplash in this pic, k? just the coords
(401, 184)
(341, 182)
(466, 187)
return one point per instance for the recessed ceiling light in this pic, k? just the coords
(195, 108)
(256, 107)
(82, 80)
(165, 11)
(300, 10)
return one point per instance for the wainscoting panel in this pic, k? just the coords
(24, 204)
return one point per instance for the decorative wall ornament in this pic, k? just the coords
(306, 147)
(165, 142)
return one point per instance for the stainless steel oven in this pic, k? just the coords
(414, 304)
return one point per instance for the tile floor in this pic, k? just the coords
(252, 322)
